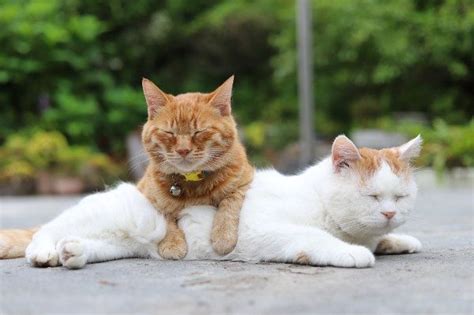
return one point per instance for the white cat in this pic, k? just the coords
(334, 213)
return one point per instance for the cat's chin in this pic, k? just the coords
(186, 167)
(384, 227)
(170, 168)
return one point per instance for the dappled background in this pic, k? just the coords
(70, 79)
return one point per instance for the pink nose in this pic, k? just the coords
(388, 214)
(183, 152)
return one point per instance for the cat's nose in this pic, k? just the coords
(183, 152)
(388, 214)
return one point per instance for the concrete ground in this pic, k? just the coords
(438, 280)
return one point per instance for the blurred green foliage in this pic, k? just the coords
(25, 155)
(75, 66)
(444, 146)
(376, 57)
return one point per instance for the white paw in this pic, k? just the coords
(398, 244)
(412, 244)
(355, 256)
(41, 255)
(71, 253)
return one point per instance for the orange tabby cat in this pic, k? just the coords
(196, 158)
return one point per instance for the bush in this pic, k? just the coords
(75, 66)
(25, 155)
(444, 146)
(373, 58)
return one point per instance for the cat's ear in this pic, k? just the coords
(222, 96)
(344, 152)
(155, 98)
(411, 149)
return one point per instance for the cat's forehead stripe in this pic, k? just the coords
(372, 160)
(392, 158)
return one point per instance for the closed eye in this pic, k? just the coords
(171, 133)
(198, 131)
(375, 197)
(398, 197)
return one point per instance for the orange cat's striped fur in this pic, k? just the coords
(188, 133)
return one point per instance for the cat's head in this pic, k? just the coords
(373, 190)
(189, 132)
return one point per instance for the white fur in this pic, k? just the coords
(115, 224)
(320, 217)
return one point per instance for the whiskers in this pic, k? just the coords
(365, 225)
(198, 155)
(138, 161)
(142, 159)
(173, 158)
(351, 226)
(207, 159)
(214, 154)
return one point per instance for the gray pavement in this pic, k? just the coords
(438, 280)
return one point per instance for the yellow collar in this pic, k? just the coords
(193, 176)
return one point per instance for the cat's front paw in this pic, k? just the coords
(413, 244)
(223, 242)
(398, 244)
(224, 234)
(71, 253)
(355, 256)
(42, 255)
(172, 248)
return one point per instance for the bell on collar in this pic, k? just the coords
(175, 190)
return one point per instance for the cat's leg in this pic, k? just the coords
(76, 252)
(225, 226)
(173, 246)
(303, 245)
(397, 244)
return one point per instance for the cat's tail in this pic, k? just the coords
(13, 242)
